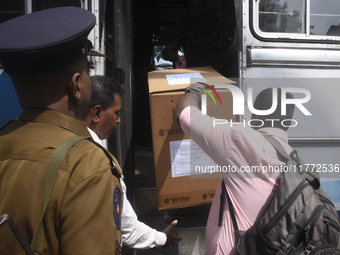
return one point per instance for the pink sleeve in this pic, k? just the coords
(184, 120)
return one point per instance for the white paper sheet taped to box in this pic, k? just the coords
(185, 78)
(185, 154)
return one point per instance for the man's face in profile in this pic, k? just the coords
(109, 119)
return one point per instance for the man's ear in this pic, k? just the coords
(97, 111)
(75, 86)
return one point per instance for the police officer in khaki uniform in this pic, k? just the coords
(45, 53)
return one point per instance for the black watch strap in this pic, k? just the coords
(193, 90)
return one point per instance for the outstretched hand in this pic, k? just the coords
(181, 63)
(170, 237)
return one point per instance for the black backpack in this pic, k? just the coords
(300, 219)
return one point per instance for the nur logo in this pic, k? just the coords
(238, 99)
(239, 102)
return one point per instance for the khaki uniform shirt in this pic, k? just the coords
(83, 216)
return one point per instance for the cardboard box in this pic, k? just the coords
(185, 190)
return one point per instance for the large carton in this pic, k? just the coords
(183, 190)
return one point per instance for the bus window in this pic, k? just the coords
(16, 8)
(281, 16)
(296, 19)
(325, 17)
(46, 4)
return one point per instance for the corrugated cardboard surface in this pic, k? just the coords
(159, 83)
(179, 191)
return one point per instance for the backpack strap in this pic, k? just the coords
(279, 149)
(237, 233)
(222, 202)
(225, 193)
(50, 179)
(311, 176)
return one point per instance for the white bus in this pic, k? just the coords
(296, 44)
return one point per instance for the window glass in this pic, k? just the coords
(160, 63)
(325, 17)
(282, 16)
(46, 4)
(11, 9)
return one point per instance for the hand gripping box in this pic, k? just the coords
(176, 187)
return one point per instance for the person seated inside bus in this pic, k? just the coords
(198, 35)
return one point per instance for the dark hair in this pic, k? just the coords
(103, 91)
(264, 101)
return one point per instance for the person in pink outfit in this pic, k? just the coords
(241, 147)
